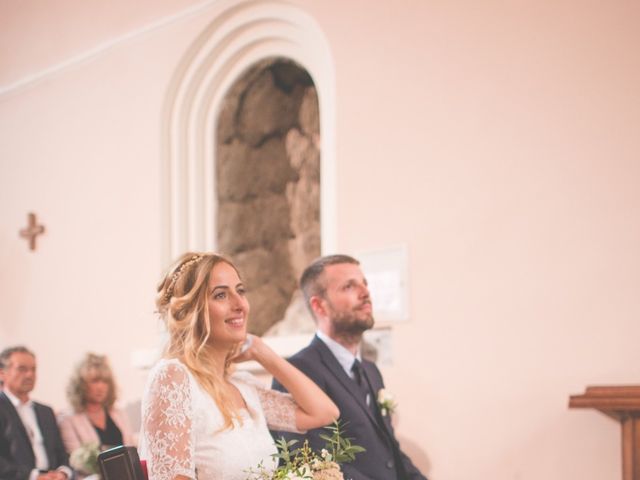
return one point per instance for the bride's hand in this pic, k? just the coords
(258, 351)
(249, 349)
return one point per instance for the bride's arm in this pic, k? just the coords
(313, 407)
(167, 425)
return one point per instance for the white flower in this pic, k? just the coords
(305, 471)
(85, 458)
(302, 473)
(386, 402)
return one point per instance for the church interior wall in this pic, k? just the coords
(498, 142)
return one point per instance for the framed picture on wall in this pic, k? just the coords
(387, 273)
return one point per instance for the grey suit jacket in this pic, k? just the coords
(366, 427)
(17, 459)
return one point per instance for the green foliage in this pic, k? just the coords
(341, 448)
(303, 463)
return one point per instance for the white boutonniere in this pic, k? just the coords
(386, 402)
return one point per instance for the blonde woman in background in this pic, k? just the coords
(94, 419)
(199, 418)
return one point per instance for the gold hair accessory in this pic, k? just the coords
(174, 278)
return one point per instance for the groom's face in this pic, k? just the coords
(347, 299)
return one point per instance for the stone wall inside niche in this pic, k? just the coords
(268, 187)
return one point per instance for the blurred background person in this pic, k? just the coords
(30, 443)
(94, 418)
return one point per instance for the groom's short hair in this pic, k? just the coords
(311, 282)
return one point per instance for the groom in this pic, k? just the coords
(336, 292)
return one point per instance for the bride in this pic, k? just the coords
(199, 419)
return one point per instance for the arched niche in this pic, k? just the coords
(268, 184)
(240, 35)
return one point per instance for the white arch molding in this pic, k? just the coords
(240, 34)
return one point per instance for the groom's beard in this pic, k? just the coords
(350, 324)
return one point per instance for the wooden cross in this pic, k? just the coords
(32, 231)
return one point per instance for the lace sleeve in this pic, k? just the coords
(279, 408)
(167, 424)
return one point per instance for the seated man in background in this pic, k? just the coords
(30, 443)
(336, 292)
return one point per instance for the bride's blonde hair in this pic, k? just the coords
(182, 303)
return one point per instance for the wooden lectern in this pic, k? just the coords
(622, 404)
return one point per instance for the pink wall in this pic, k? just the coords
(500, 142)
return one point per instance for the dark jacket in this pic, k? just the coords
(16, 455)
(366, 427)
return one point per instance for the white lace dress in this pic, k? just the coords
(182, 427)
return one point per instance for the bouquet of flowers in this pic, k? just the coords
(84, 459)
(305, 464)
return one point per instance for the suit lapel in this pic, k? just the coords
(374, 392)
(349, 385)
(43, 425)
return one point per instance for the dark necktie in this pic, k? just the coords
(356, 368)
(360, 378)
